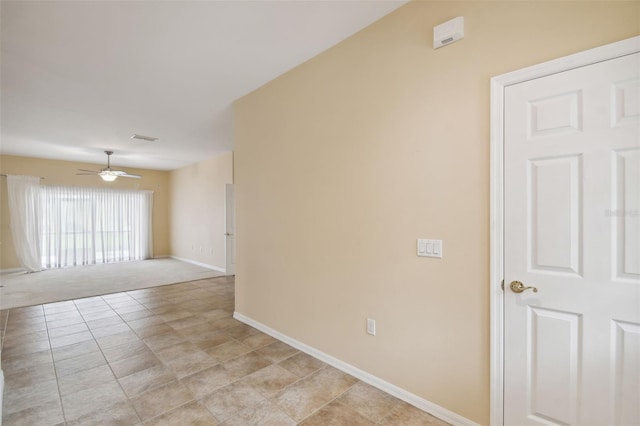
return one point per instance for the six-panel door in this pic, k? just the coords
(572, 230)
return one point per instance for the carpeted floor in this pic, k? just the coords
(20, 289)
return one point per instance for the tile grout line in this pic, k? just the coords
(53, 361)
(272, 399)
(326, 403)
(179, 380)
(268, 399)
(4, 331)
(219, 363)
(130, 400)
(177, 301)
(99, 348)
(102, 352)
(389, 413)
(76, 308)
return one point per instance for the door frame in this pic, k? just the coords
(496, 226)
(229, 196)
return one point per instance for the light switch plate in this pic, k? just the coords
(429, 248)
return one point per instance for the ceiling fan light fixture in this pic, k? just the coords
(107, 177)
(108, 174)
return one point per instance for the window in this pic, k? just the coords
(81, 226)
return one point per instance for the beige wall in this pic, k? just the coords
(198, 210)
(343, 162)
(64, 173)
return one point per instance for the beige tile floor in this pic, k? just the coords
(173, 355)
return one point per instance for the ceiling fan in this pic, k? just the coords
(107, 174)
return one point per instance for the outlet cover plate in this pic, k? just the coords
(371, 326)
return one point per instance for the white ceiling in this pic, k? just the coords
(81, 77)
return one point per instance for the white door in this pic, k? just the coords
(572, 230)
(230, 233)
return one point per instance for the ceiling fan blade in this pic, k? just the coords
(131, 176)
(86, 174)
(88, 171)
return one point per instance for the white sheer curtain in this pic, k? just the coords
(24, 212)
(83, 225)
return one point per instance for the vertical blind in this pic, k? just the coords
(81, 226)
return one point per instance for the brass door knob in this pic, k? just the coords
(518, 287)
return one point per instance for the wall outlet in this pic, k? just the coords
(371, 326)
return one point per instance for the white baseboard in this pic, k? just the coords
(204, 265)
(408, 397)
